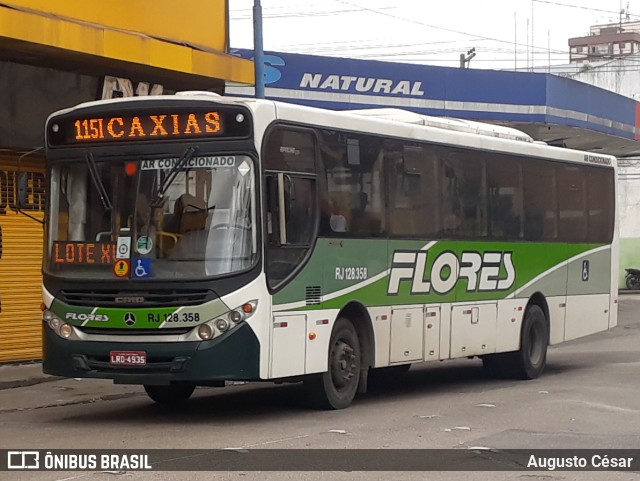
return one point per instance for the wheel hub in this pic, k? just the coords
(343, 364)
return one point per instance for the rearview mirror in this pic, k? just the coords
(413, 161)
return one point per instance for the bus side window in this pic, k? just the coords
(540, 201)
(352, 189)
(505, 209)
(572, 204)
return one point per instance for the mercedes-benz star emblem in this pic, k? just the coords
(129, 318)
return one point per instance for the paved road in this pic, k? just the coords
(588, 398)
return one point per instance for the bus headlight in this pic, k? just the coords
(205, 332)
(222, 325)
(58, 326)
(54, 323)
(227, 321)
(65, 330)
(51, 319)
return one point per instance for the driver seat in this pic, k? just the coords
(191, 213)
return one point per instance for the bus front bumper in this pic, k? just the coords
(231, 357)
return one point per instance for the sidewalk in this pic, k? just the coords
(19, 375)
(24, 387)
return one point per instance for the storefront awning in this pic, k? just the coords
(94, 48)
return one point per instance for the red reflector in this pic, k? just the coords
(131, 168)
(283, 324)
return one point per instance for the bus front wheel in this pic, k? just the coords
(336, 388)
(529, 361)
(172, 395)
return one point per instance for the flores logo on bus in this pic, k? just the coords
(482, 271)
(72, 316)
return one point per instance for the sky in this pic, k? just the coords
(506, 34)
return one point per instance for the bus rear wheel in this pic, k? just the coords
(336, 388)
(530, 360)
(172, 395)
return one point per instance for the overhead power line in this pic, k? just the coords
(445, 29)
(406, 51)
(582, 7)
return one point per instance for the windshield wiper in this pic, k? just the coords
(97, 181)
(186, 157)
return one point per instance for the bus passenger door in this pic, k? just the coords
(287, 345)
(473, 329)
(407, 334)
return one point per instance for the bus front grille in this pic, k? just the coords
(159, 298)
(106, 331)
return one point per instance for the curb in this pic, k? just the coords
(27, 382)
(22, 374)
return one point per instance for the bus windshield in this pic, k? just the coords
(183, 217)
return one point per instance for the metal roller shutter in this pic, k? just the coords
(20, 274)
(20, 288)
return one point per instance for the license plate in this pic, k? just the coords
(128, 358)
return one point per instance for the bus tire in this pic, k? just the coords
(530, 360)
(172, 395)
(337, 387)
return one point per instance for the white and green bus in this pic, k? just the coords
(194, 239)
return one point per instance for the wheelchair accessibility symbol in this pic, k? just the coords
(141, 267)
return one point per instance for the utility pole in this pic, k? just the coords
(258, 53)
(515, 41)
(465, 59)
(533, 44)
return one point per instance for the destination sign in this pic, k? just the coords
(196, 123)
(71, 252)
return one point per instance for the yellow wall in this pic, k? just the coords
(198, 22)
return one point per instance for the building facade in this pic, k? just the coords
(57, 54)
(606, 42)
